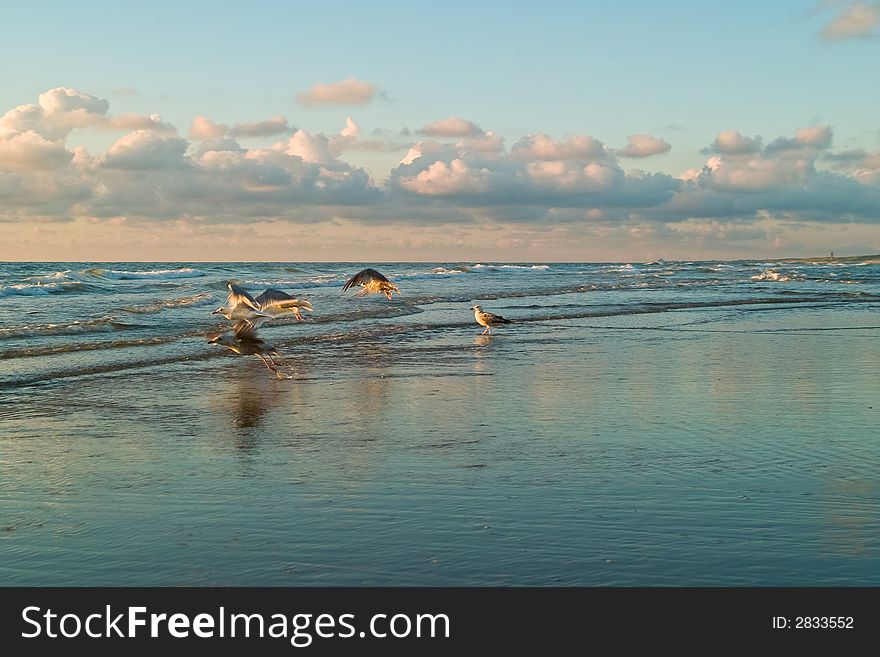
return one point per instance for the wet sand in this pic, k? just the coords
(697, 447)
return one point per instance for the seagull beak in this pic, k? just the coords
(216, 312)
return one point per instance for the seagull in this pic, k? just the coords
(248, 344)
(249, 313)
(373, 283)
(488, 319)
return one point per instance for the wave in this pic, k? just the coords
(448, 271)
(773, 275)
(513, 267)
(158, 306)
(325, 280)
(70, 328)
(123, 275)
(39, 288)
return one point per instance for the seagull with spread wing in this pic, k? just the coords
(372, 282)
(249, 313)
(488, 319)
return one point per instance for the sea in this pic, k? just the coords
(664, 423)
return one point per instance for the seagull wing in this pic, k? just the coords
(276, 303)
(364, 276)
(492, 318)
(239, 296)
(245, 330)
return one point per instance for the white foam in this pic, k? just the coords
(36, 289)
(123, 275)
(773, 275)
(522, 267)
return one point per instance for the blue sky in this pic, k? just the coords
(680, 72)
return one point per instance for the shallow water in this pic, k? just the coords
(700, 423)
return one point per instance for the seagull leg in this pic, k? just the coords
(484, 331)
(266, 363)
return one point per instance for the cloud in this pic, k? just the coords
(543, 147)
(349, 139)
(57, 112)
(29, 151)
(277, 125)
(730, 142)
(131, 121)
(812, 138)
(204, 128)
(538, 172)
(351, 129)
(455, 178)
(465, 175)
(61, 110)
(644, 146)
(452, 127)
(346, 92)
(62, 101)
(143, 149)
(858, 20)
(488, 142)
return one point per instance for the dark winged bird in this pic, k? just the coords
(372, 282)
(249, 313)
(488, 319)
(248, 344)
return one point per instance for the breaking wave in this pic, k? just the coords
(69, 328)
(40, 288)
(123, 275)
(158, 306)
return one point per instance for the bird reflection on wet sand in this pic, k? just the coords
(250, 345)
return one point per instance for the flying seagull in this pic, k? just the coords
(488, 319)
(373, 283)
(250, 313)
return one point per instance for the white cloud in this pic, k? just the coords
(730, 142)
(152, 173)
(488, 142)
(543, 147)
(277, 125)
(29, 151)
(812, 138)
(351, 129)
(644, 146)
(346, 92)
(144, 149)
(204, 128)
(452, 127)
(309, 147)
(57, 112)
(858, 20)
(456, 178)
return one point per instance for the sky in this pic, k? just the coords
(455, 131)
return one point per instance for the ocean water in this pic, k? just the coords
(663, 423)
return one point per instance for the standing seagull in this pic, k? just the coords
(250, 313)
(373, 283)
(488, 319)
